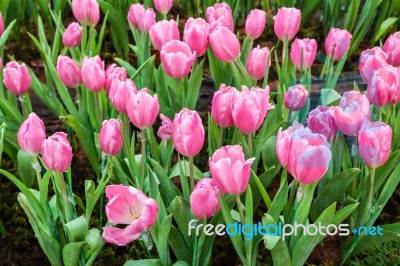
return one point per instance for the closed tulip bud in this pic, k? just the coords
(72, 35)
(221, 106)
(141, 18)
(31, 134)
(16, 78)
(392, 49)
(163, 32)
(163, 6)
(120, 92)
(114, 72)
(220, 14)
(255, 23)
(68, 71)
(353, 109)
(374, 143)
(177, 58)
(142, 108)
(382, 89)
(165, 130)
(204, 199)
(1, 24)
(283, 142)
(370, 61)
(230, 170)
(257, 62)
(196, 35)
(93, 74)
(287, 23)
(224, 44)
(296, 97)
(148, 20)
(57, 152)
(321, 120)
(303, 52)
(337, 43)
(188, 133)
(86, 11)
(110, 137)
(250, 107)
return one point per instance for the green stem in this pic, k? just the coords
(24, 106)
(36, 166)
(240, 208)
(249, 144)
(143, 156)
(367, 199)
(191, 172)
(221, 136)
(98, 111)
(196, 249)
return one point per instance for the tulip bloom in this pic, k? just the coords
(163, 6)
(392, 49)
(1, 24)
(224, 44)
(72, 35)
(321, 120)
(68, 71)
(296, 97)
(374, 143)
(250, 107)
(370, 61)
(142, 108)
(57, 152)
(86, 11)
(120, 92)
(255, 23)
(177, 58)
(283, 142)
(114, 72)
(220, 14)
(382, 89)
(188, 133)
(141, 18)
(221, 106)
(287, 23)
(31, 134)
(110, 137)
(257, 62)
(93, 74)
(16, 78)
(353, 109)
(303, 52)
(204, 199)
(230, 170)
(131, 207)
(196, 35)
(163, 32)
(165, 130)
(337, 43)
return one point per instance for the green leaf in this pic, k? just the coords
(129, 68)
(390, 232)
(148, 262)
(194, 86)
(162, 244)
(77, 229)
(25, 169)
(384, 27)
(182, 213)
(184, 165)
(329, 96)
(279, 200)
(71, 253)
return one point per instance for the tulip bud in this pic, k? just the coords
(163, 32)
(370, 61)
(110, 137)
(57, 152)
(287, 23)
(120, 92)
(31, 134)
(382, 89)
(296, 97)
(72, 35)
(196, 35)
(177, 58)
(93, 74)
(224, 44)
(68, 71)
(204, 199)
(142, 108)
(16, 78)
(255, 23)
(321, 120)
(165, 130)
(221, 106)
(257, 62)
(163, 6)
(220, 14)
(114, 72)
(303, 52)
(86, 11)
(1, 24)
(392, 49)
(337, 43)
(141, 18)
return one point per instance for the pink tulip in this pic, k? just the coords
(283, 142)
(93, 74)
(57, 152)
(166, 128)
(1, 24)
(383, 87)
(68, 71)
(220, 14)
(114, 72)
(31, 134)
(250, 107)
(296, 97)
(257, 62)
(287, 23)
(163, 32)
(370, 61)
(196, 35)
(141, 18)
(392, 49)
(221, 106)
(224, 44)
(204, 199)
(142, 108)
(353, 109)
(321, 120)
(149, 19)
(303, 52)
(230, 171)
(128, 206)
(255, 23)
(72, 35)
(177, 58)
(374, 143)
(163, 6)
(337, 43)
(110, 137)
(16, 78)
(120, 92)
(188, 133)
(86, 11)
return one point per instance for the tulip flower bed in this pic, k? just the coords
(136, 173)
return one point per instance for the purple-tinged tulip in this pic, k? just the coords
(93, 74)
(163, 32)
(114, 72)
(384, 85)
(255, 23)
(392, 49)
(220, 14)
(142, 108)
(31, 134)
(165, 130)
(337, 43)
(110, 137)
(57, 152)
(128, 206)
(296, 97)
(230, 170)
(374, 143)
(68, 71)
(196, 35)
(257, 62)
(86, 11)
(1, 24)
(16, 77)
(370, 61)
(177, 58)
(188, 133)
(303, 52)
(287, 23)
(204, 199)
(163, 6)
(221, 106)
(141, 18)
(321, 120)
(224, 44)
(120, 92)
(72, 35)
